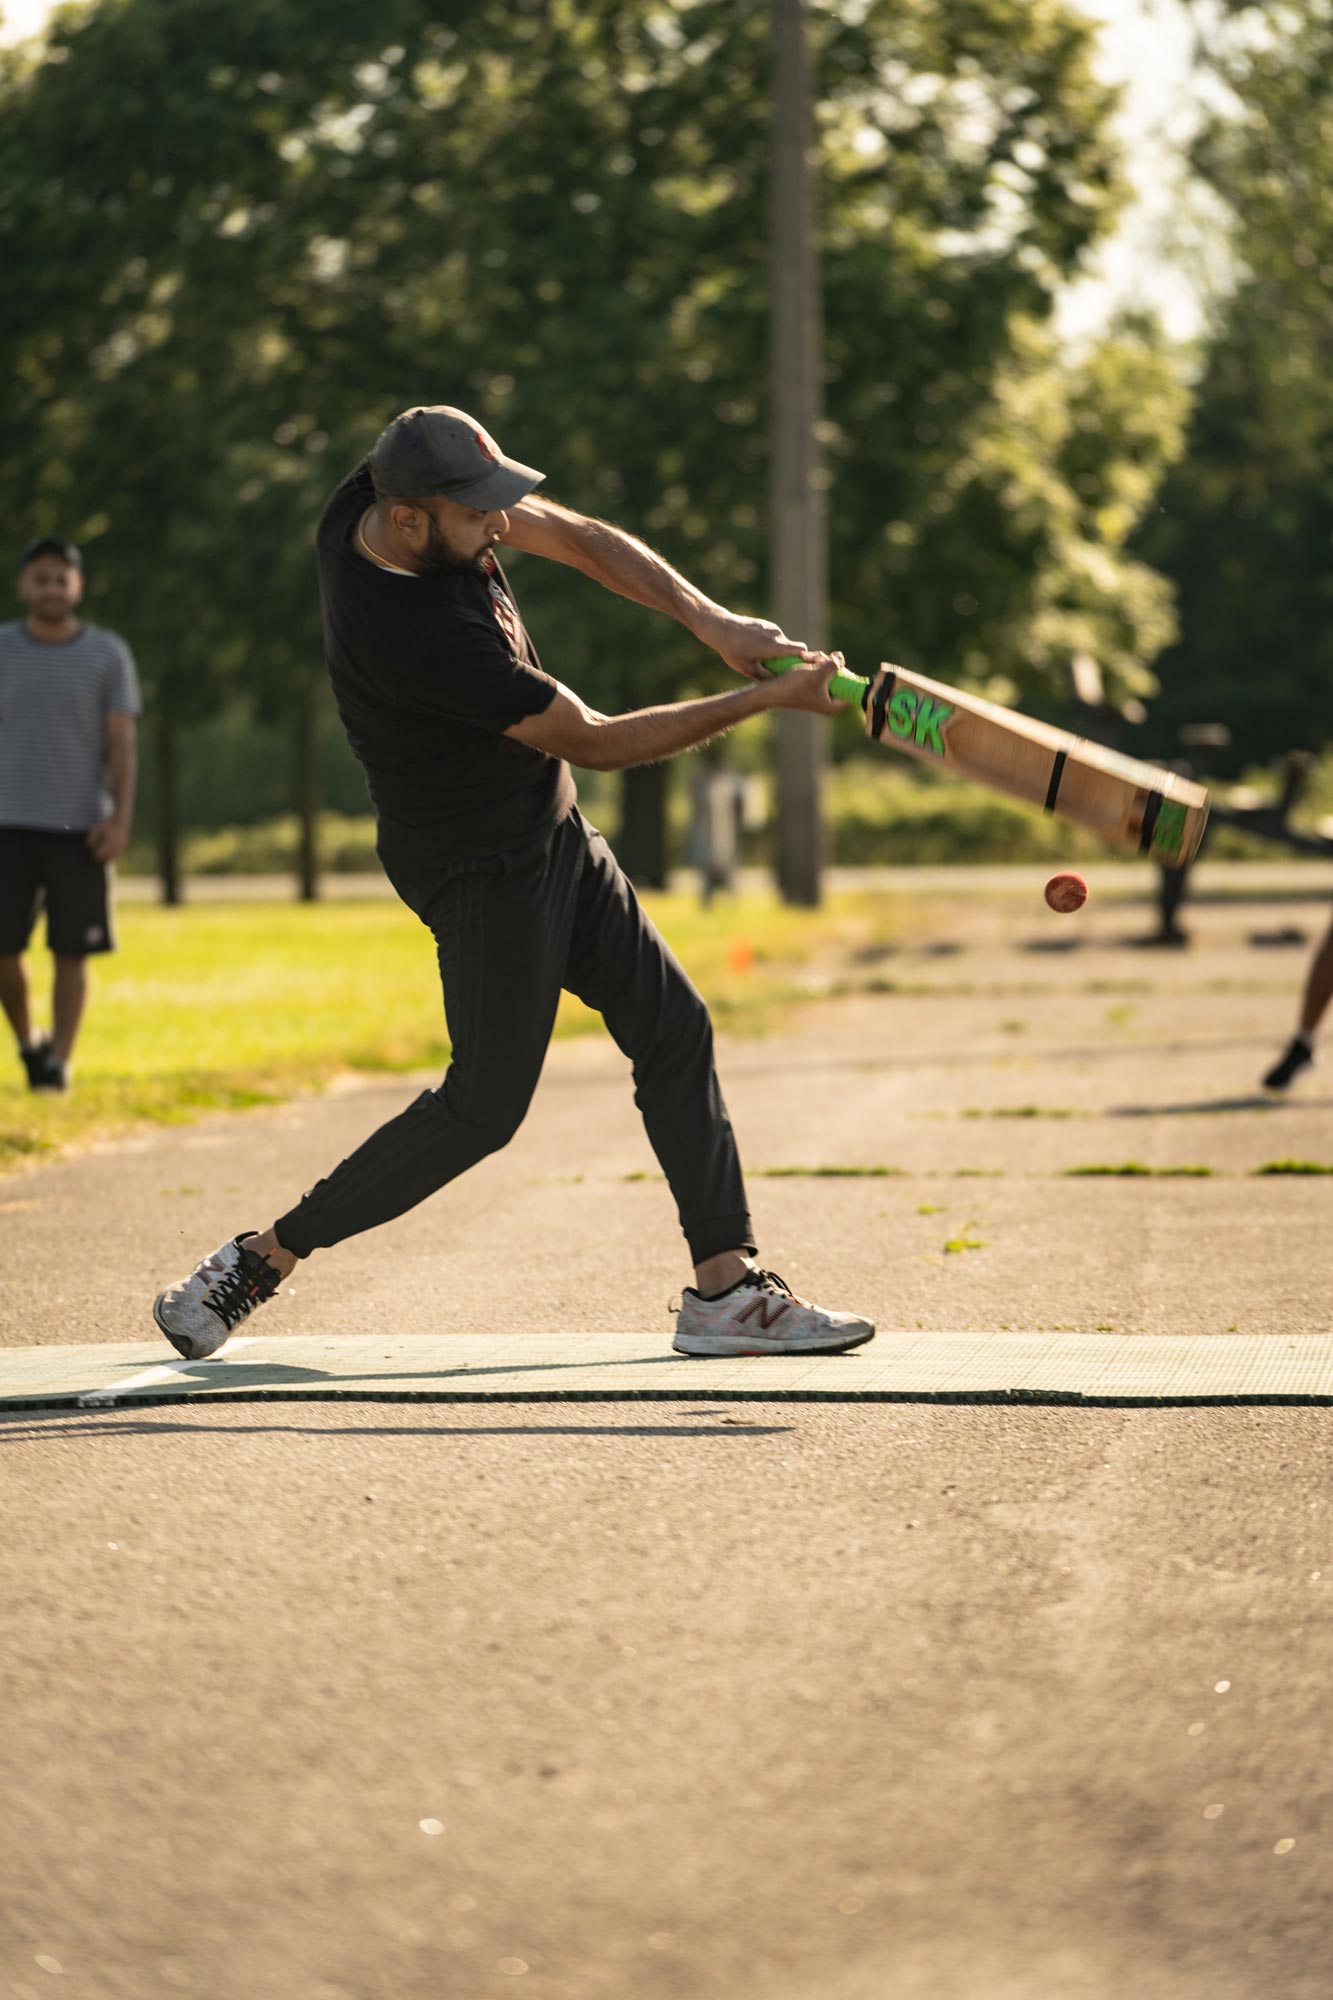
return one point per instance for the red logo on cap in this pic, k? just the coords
(486, 448)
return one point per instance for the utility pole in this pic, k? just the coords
(798, 515)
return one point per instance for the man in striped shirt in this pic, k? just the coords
(69, 696)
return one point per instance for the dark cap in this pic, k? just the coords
(437, 449)
(51, 545)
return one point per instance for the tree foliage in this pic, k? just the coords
(239, 239)
(1246, 526)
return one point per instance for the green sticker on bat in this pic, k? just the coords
(1169, 832)
(920, 717)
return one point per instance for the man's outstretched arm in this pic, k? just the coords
(581, 736)
(622, 563)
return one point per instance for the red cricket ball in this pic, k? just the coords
(1066, 893)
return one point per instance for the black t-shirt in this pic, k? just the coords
(428, 672)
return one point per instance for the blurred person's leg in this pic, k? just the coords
(15, 997)
(20, 900)
(69, 997)
(78, 927)
(1318, 987)
(1170, 897)
(1318, 991)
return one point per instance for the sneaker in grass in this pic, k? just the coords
(44, 1067)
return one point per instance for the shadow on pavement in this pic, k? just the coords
(58, 1424)
(1209, 1105)
(868, 1063)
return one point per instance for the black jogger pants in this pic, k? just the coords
(511, 932)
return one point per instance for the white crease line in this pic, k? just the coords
(101, 1399)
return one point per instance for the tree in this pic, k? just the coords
(238, 240)
(1246, 526)
(1020, 562)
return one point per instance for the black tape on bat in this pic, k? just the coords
(882, 696)
(1156, 800)
(1057, 773)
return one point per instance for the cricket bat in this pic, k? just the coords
(1135, 805)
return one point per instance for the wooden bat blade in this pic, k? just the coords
(1133, 804)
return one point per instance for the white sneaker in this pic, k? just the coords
(206, 1308)
(762, 1315)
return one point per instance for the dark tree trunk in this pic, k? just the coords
(306, 775)
(642, 847)
(168, 811)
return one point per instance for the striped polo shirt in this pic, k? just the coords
(54, 701)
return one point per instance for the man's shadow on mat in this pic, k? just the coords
(276, 1374)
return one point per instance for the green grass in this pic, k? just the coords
(1018, 1111)
(223, 1005)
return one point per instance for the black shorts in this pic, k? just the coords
(55, 872)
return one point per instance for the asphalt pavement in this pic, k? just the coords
(895, 1702)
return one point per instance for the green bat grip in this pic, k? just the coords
(843, 687)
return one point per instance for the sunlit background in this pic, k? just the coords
(1072, 440)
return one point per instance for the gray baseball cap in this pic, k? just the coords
(437, 449)
(51, 545)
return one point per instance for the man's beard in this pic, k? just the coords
(437, 558)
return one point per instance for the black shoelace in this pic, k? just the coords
(251, 1282)
(769, 1281)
